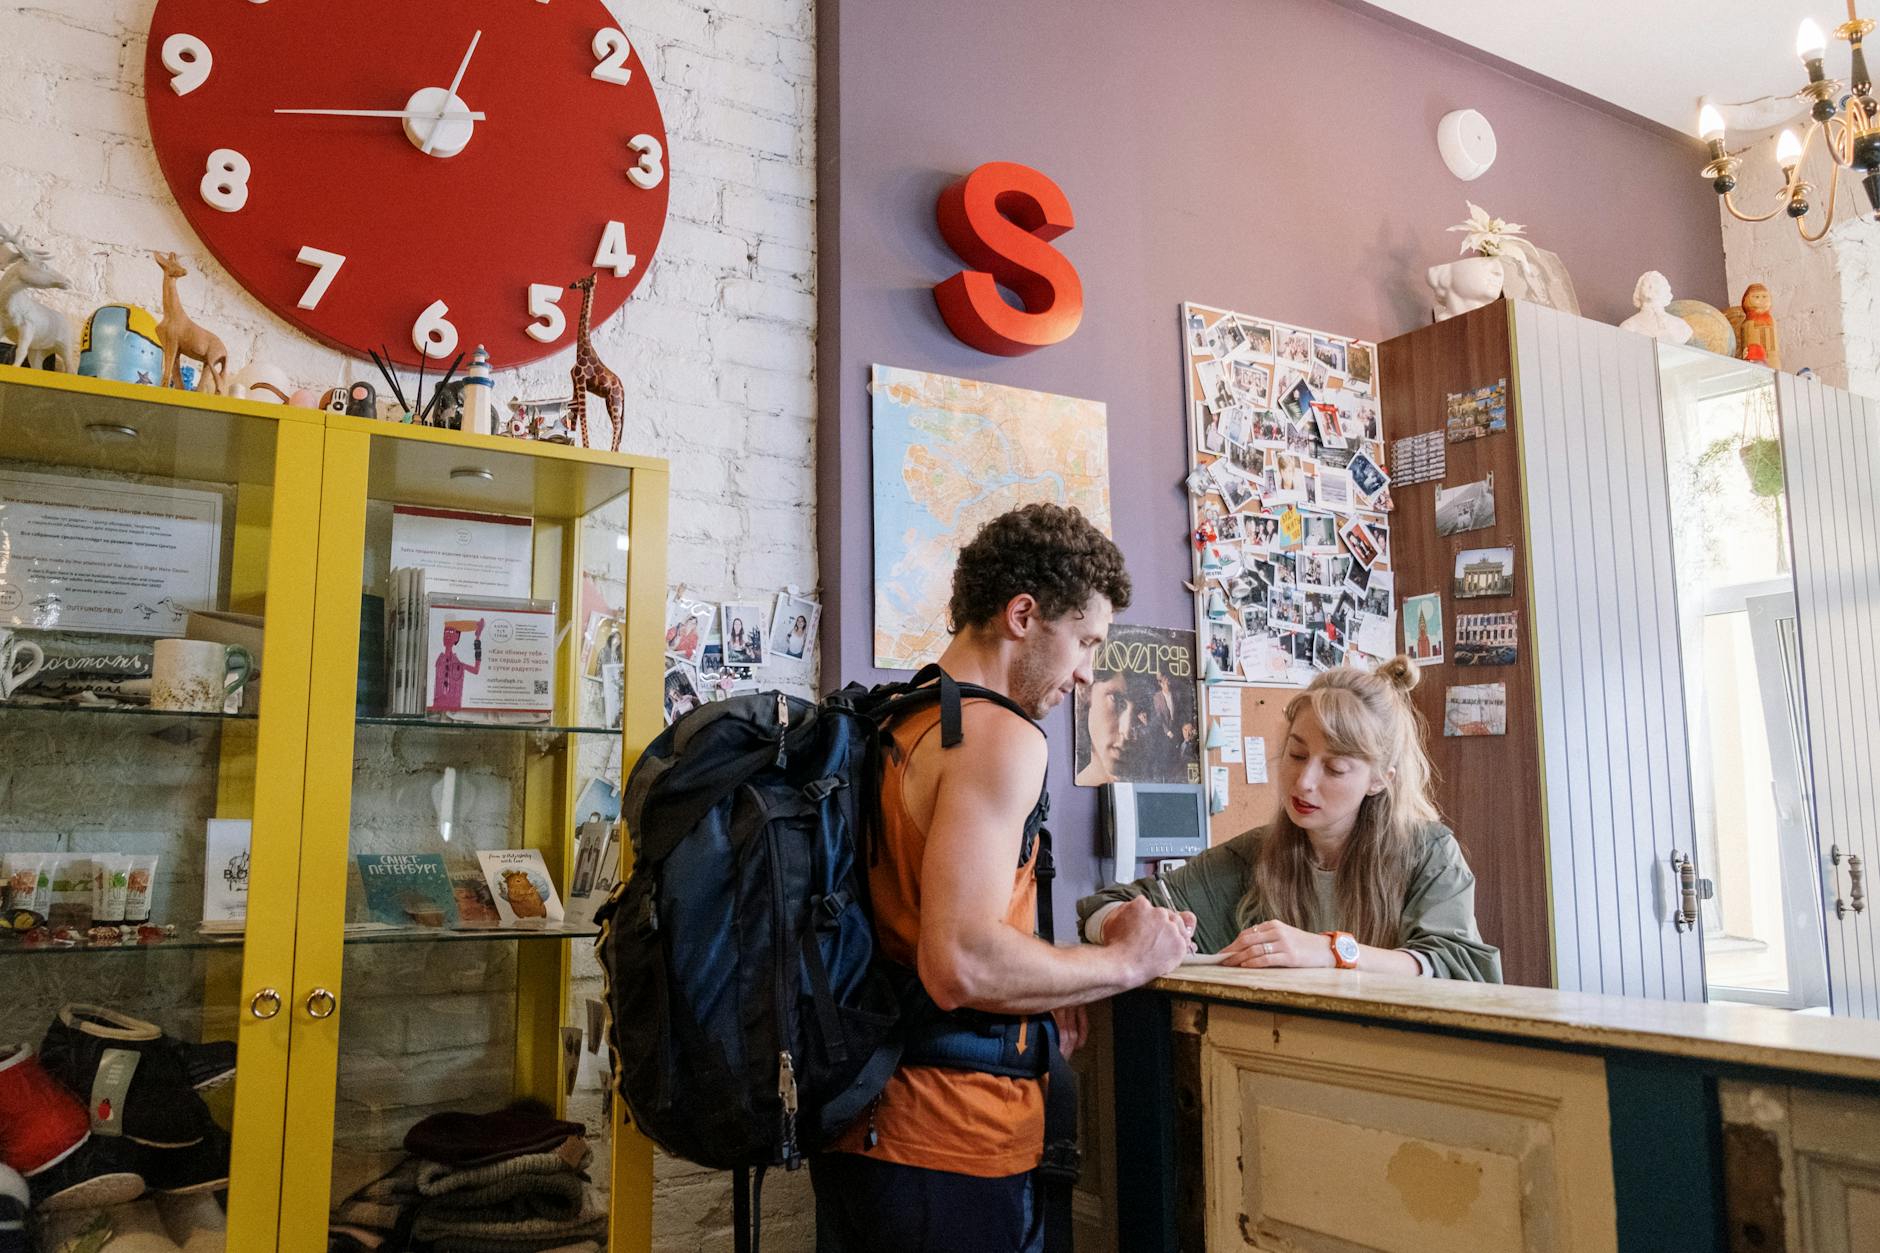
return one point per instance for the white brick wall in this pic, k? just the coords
(1827, 297)
(717, 348)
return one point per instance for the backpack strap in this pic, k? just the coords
(1063, 1161)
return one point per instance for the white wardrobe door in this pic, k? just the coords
(1605, 633)
(1831, 452)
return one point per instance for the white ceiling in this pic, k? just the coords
(1653, 57)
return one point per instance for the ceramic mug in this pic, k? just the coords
(197, 676)
(20, 660)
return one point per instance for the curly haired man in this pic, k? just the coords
(945, 1160)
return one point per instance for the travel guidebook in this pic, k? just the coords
(407, 889)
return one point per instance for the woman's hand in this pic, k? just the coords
(1273, 945)
(1073, 1024)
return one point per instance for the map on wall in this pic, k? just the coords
(950, 455)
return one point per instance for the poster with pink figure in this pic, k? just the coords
(485, 657)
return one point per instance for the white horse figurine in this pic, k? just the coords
(31, 326)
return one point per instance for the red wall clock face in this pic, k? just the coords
(453, 169)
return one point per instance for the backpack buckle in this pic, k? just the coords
(816, 793)
(1062, 1160)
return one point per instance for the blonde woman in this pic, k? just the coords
(1355, 870)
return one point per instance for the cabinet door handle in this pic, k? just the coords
(1856, 899)
(265, 1004)
(1684, 915)
(321, 1003)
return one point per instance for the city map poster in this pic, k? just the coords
(950, 455)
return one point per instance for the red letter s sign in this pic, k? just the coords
(999, 219)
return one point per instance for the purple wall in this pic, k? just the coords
(1273, 156)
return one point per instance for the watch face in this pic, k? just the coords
(1347, 949)
(451, 169)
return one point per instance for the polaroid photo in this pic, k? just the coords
(1237, 424)
(1423, 629)
(1488, 639)
(1320, 376)
(1286, 610)
(1208, 436)
(1367, 476)
(1377, 595)
(1269, 430)
(1222, 639)
(1238, 493)
(1259, 337)
(1484, 572)
(1208, 376)
(1198, 341)
(1295, 347)
(1478, 709)
(1320, 533)
(1470, 507)
(1296, 403)
(1262, 531)
(1229, 530)
(1254, 382)
(1253, 619)
(688, 622)
(793, 629)
(682, 692)
(1329, 352)
(743, 627)
(1358, 365)
(1359, 543)
(1229, 338)
(1331, 431)
(1289, 479)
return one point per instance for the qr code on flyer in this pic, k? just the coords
(541, 687)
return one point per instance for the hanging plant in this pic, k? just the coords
(1762, 461)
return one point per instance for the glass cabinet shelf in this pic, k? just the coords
(193, 940)
(540, 728)
(119, 711)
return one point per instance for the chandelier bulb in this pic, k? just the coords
(1710, 126)
(1811, 42)
(1788, 150)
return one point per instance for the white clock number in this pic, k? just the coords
(225, 182)
(328, 263)
(431, 335)
(612, 48)
(187, 59)
(651, 170)
(544, 303)
(613, 254)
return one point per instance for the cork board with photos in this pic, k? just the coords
(1289, 499)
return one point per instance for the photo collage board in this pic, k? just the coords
(1289, 499)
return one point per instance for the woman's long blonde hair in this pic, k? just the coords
(1367, 716)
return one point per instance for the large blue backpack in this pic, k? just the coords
(752, 1018)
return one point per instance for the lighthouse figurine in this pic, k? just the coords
(478, 392)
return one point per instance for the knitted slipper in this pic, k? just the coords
(47, 1138)
(14, 1198)
(130, 1077)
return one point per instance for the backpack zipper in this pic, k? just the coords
(786, 1093)
(786, 1065)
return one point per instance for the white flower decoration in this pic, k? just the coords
(1484, 235)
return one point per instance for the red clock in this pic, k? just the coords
(427, 177)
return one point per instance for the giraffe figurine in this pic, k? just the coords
(591, 374)
(181, 337)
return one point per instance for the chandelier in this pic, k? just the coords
(1843, 118)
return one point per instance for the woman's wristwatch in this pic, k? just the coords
(1344, 949)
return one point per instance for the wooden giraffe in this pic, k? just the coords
(181, 337)
(592, 375)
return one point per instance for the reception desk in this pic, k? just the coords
(1328, 1112)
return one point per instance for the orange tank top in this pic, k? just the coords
(941, 1118)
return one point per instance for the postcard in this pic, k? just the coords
(1481, 709)
(1488, 639)
(1474, 414)
(518, 880)
(1470, 507)
(407, 889)
(1423, 629)
(1483, 572)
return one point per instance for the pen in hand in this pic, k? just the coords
(1168, 898)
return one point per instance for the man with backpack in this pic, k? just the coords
(944, 1158)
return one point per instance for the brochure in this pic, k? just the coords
(487, 656)
(225, 873)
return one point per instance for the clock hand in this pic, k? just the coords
(451, 92)
(423, 113)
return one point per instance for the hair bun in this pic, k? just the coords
(1401, 672)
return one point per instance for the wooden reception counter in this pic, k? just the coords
(1327, 1112)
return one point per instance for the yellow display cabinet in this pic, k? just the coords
(350, 1024)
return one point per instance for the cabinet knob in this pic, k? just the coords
(1856, 899)
(321, 1003)
(265, 1004)
(1684, 913)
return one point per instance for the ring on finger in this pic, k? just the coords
(1267, 948)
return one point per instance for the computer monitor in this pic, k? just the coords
(1150, 821)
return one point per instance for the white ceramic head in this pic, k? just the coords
(1460, 286)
